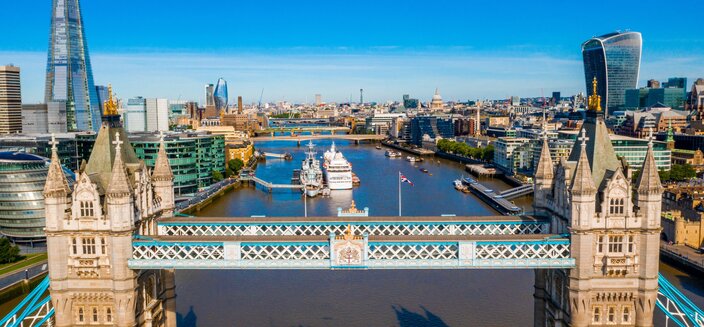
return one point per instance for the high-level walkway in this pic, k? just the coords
(269, 185)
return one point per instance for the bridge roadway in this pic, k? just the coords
(299, 138)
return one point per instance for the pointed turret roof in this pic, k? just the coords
(55, 180)
(102, 157)
(119, 182)
(545, 167)
(582, 182)
(162, 168)
(649, 180)
(599, 151)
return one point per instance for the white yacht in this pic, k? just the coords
(338, 171)
(311, 176)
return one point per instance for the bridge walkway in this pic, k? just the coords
(517, 192)
(497, 201)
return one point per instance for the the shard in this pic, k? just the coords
(220, 96)
(69, 77)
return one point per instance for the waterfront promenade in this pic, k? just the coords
(683, 255)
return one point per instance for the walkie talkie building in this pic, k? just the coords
(614, 59)
(69, 76)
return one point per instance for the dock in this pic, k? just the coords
(517, 192)
(496, 201)
(481, 171)
(268, 185)
(416, 151)
(285, 156)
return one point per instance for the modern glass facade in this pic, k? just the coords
(220, 96)
(210, 156)
(69, 76)
(182, 158)
(614, 59)
(431, 126)
(22, 179)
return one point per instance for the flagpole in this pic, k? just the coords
(399, 194)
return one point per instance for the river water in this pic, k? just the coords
(364, 298)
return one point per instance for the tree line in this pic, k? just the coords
(463, 149)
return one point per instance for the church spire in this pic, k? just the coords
(162, 168)
(119, 183)
(56, 181)
(582, 183)
(649, 180)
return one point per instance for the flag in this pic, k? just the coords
(405, 180)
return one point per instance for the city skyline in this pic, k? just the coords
(466, 56)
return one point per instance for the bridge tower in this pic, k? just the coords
(89, 233)
(614, 234)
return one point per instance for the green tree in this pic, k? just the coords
(8, 251)
(217, 176)
(235, 165)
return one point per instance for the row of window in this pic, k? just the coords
(611, 315)
(93, 315)
(615, 244)
(88, 245)
(617, 206)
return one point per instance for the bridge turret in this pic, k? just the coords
(544, 176)
(163, 180)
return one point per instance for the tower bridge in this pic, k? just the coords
(114, 242)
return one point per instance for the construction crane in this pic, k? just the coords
(259, 107)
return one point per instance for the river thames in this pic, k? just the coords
(365, 298)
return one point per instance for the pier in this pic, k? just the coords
(268, 185)
(517, 192)
(417, 151)
(497, 201)
(286, 156)
(480, 170)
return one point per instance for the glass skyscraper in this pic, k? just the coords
(614, 59)
(220, 96)
(69, 76)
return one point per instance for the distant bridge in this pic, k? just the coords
(300, 138)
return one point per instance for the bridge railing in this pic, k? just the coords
(33, 310)
(547, 253)
(391, 228)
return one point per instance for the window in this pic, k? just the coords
(80, 314)
(87, 209)
(74, 246)
(612, 315)
(95, 314)
(597, 314)
(600, 244)
(108, 315)
(88, 245)
(626, 314)
(631, 244)
(617, 206)
(103, 246)
(615, 243)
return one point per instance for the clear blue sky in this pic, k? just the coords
(294, 49)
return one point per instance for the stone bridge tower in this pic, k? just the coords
(614, 226)
(90, 229)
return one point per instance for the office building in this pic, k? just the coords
(632, 149)
(35, 119)
(504, 157)
(135, 117)
(696, 98)
(22, 179)
(676, 82)
(318, 99)
(157, 115)
(381, 123)
(220, 96)
(10, 100)
(646, 97)
(101, 91)
(614, 60)
(56, 117)
(69, 76)
(555, 98)
(653, 84)
(430, 128)
(209, 98)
